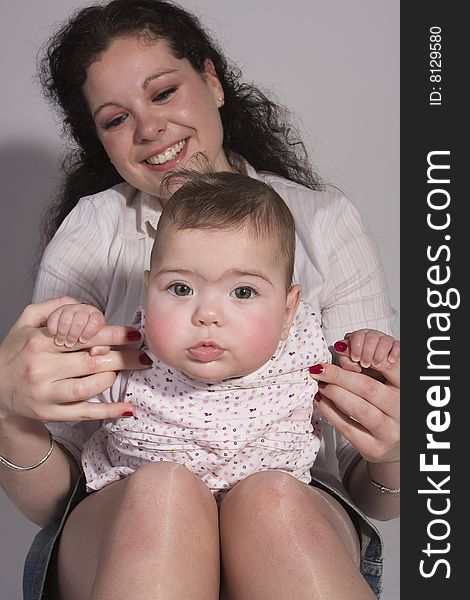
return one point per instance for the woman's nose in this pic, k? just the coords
(149, 127)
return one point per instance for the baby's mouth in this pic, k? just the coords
(206, 352)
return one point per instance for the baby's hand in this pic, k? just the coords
(367, 348)
(74, 323)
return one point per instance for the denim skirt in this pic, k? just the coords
(38, 559)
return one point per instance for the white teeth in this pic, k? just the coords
(169, 154)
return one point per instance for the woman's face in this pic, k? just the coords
(153, 112)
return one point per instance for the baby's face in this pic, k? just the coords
(217, 304)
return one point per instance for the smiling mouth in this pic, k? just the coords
(169, 154)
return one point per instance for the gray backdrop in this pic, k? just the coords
(335, 63)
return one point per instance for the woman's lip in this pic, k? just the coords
(206, 351)
(169, 164)
(165, 148)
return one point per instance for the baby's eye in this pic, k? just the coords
(164, 95)
(244, 293)
(180, 289)
(115, 122)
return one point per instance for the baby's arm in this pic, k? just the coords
(73, 323)
(367, 348)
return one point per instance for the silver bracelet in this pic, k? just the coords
(382, 488)
(10, 465)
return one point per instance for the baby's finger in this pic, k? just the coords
(355, 341)
(394, 354)
(383, 347)
(95, 323)
(372, 340)
(52, 322)
(64, 323)
(77, 326)
(391, 372)
(346, 363)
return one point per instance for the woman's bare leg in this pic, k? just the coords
(153, 535)
(281, 538)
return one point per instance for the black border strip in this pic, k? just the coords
(434, 267)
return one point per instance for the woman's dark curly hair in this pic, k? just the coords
(254, 126)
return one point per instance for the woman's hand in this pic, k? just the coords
(365, 410)
(45, 382)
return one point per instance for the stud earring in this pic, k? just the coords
(221, 100)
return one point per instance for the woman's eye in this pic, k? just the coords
(180, 289)
(115, 122)
(162, 96)
(244, 293)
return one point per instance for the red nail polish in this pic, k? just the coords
(133, 336)
(127, 413)
(316, 369)
(340, 346)
(317, 397)
(145, 360)
(322, 384)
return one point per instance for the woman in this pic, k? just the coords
(143, 89)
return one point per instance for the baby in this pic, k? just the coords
(229, 392)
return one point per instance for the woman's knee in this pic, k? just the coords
(163, 498)
(165, 485)
(265, 493)
(164, 504)
(274, 501)
(269, 501)
(159, 508)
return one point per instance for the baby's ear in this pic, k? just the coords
(292, 302)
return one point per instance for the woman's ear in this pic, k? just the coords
(211, 77)
(292, 302)
(209, 68)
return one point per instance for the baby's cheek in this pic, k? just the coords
(264, 339)
(158, 335)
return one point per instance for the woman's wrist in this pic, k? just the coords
(16, 422)
(23, 468)
(15, 432)
(385, 477)
(40, 493)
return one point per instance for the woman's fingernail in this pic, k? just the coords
(145, 360)
(322, 384)
(317, 397)
(316, 369)
(127, 413)
(340, 346)
(133, 336)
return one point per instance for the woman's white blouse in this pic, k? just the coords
(101, 250)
